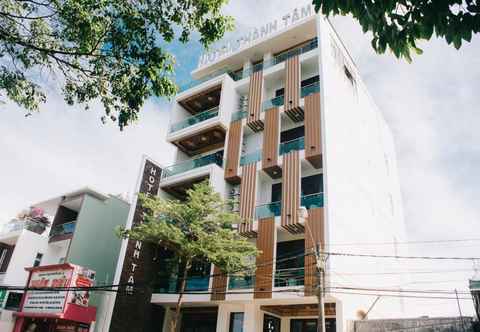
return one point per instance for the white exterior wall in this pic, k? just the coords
(357, 182)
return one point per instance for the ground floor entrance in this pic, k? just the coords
(310, 325)
(53, 325)
(199, 319)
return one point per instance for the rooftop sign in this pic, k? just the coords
(281, 23)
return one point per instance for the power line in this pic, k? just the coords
(404, 242)
(346, 254)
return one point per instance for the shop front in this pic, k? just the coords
(56, 300)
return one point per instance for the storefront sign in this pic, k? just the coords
(52, 302)
(277, 25)
(132, 303)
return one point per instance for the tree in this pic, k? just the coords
(112, 51)
(198, 229)
(398, 25)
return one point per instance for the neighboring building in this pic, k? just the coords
(289, 131)
(81, 233)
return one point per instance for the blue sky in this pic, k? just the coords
(431, 106)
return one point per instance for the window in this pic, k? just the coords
(236, 322)
(291, 134)
(3, 254)
(38, 259)
(312, 184)
(306, 82)
(13, 301)
(276, 192)
(290, 272)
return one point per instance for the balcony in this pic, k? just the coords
(214, 158)
(238, 75)
(293, 145)
(274, 209)
(268, 210)
(63, 230)
(197, 118)
(290, 277)
(252, 157)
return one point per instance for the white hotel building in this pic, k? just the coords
(285, 125)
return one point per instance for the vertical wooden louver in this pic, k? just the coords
(313, 131)
(219, 285)
(291, 192)
(271, 140)
(292, 89)
(314, 233)
(255, 98)
(248, 192)
(235, 133)
(264, 272)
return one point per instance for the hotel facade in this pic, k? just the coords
(281, 123)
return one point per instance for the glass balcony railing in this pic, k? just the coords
(252, 157)
(309, 89)
(274, 209)
(63, 229)
(268, 210)
(197, 118)
(313, 44)
(312, 201)
(171, 285)
(274, 102)
(241, 281)
(239, 115)
(293, 145)
(18, 225)
(214, 158)
(290, 277)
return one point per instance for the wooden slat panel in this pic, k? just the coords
(248, 192)
(219, 285)
(313, 130)
(292, 89)
(264, 272)
(271, 141)
(314, 233)
(235, 133)
(291, 192)
(255, 99)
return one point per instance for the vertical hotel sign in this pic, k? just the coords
(131, 311)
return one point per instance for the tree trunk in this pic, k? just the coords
(183, 283)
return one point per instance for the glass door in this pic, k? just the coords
(271, 323)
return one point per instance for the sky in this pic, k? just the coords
(431, 105)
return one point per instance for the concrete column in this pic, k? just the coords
(285, 326)
(247, 65)
(253, 319)
(223, 318)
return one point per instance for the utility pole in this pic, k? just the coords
(320, 288)
(460, 311)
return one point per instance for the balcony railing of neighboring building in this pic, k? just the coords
(238, 75)
(2, 277)
(274, 209)
(289, 277)
(197, 118)
(17, 225)
(251, 157)
(63, 229)
(241, 281)
(293, 145)
(214, 158)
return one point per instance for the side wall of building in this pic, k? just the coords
(363, 201)
(96, 230)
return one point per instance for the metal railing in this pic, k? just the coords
(63, 229)
(214, 158)
(293, 145)
(197, 118)
(251, 157)
(290, 277)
